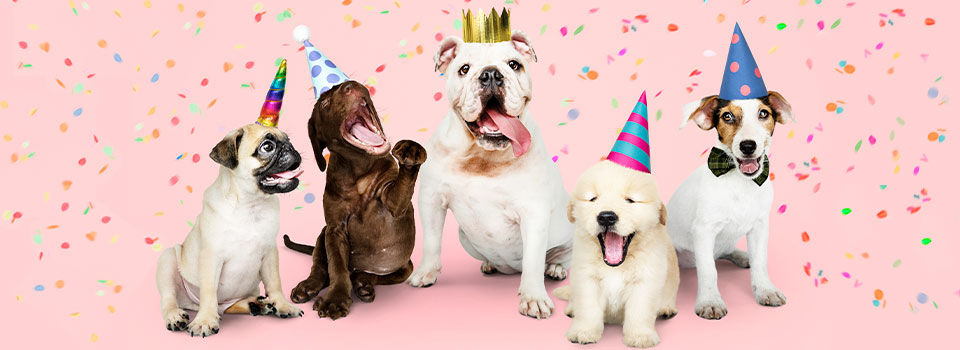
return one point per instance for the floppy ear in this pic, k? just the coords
(448, 50)
(522, 44)
(318, 145)
(781, 106)
(225, 152)
(570, 211)
(701, 112)
(663, 214)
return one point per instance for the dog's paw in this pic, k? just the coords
(262, 306)
(644, 339)
(739, 258)
(769, 296)
(536, 305)
(555, 272)
(487, 268)
(285, 309)
(667, 312)
(423, 276)
(584, 335)
(176, 319)
(364, 291)
(305, 291)
(711, 309)
(334, 307)
(204, 325)
(409, 153)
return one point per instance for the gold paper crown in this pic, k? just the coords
(490, 28)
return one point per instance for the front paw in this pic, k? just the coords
(409, 153)
(712, 308)
(424, 276)
(333, 307)
(555, 272)
(204, 325)
(584, 334)
(285, 309)
(305, 291)
(536, 305)
(176, 319)
(643, 339)
(770, 296)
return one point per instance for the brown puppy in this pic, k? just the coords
(370, 228)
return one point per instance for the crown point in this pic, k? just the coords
(301, 33)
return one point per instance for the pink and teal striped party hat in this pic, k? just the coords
(270, 113)
(632, 148)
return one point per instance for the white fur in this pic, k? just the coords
(509, 219)
(301, 33)
(709, 214)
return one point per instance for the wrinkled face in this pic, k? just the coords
(260, 154)
(348, 121)
(488, 87)
(611, 204)
(744, 127)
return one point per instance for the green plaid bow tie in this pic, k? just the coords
(720, 163)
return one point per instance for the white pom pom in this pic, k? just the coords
(301, 33)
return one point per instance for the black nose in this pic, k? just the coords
(491, 78)
(607, 218)
(289, 158)
(747, 147)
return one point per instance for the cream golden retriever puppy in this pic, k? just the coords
(624, 266)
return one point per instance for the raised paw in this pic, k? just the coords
(584, 335)
(364, 291)
(333, 307)
(769, 296)
(555, 272)
(538, 305)
(711, 309)
(423, 276)
(409, 153)
(176, 320)
(644, 339)
(204, 325)
(305, 290)
(487, 268)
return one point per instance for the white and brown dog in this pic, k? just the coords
(489, 166)
(624, 267)
(729, 197)
(233, 245)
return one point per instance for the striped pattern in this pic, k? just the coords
(632, 148)
(270, 113)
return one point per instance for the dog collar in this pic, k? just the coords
(720, 163)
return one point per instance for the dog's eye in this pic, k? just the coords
(267, 147)
(464, 69)
(727, 117)
(764, 114)
(514, 65)
(594, 199)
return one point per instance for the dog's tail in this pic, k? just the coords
(303, 248)
(562, 292)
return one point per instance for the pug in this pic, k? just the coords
(232, 247)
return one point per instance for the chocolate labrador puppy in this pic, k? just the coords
(369, 233)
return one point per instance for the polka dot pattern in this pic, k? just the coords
(323, 71)
(734, 67)
(741, 79)
(735, 39)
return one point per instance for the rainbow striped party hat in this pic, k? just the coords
(741, 76)
(323, 72)
(632, 148)
(270, 113)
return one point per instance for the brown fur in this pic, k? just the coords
(480, 162)
(369, 233)
(713, 107)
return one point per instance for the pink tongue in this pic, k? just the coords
(363, 134)
(613, 248)
(749, 166)
(289, 174)
(513, 129)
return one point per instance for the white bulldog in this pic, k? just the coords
(489, 166)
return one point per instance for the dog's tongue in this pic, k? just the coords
(289, 174)
(365, 135)
(613, 247)
(513, 129)
(749, 166)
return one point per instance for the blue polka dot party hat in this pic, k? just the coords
(741, 76)
(323, 72)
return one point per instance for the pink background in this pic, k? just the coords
(466, 309)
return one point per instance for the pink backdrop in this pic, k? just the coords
(87, 184)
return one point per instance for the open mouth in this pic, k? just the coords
(748, 166)
(362, 131)
(281, 179)
(613, 246)
(495, 125)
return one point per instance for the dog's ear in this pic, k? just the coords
(318, 144)
(522, 44)
(701, 112)
(225, 152)
(781, 106)
(663, 214)
(570, 211)
(448, 50)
